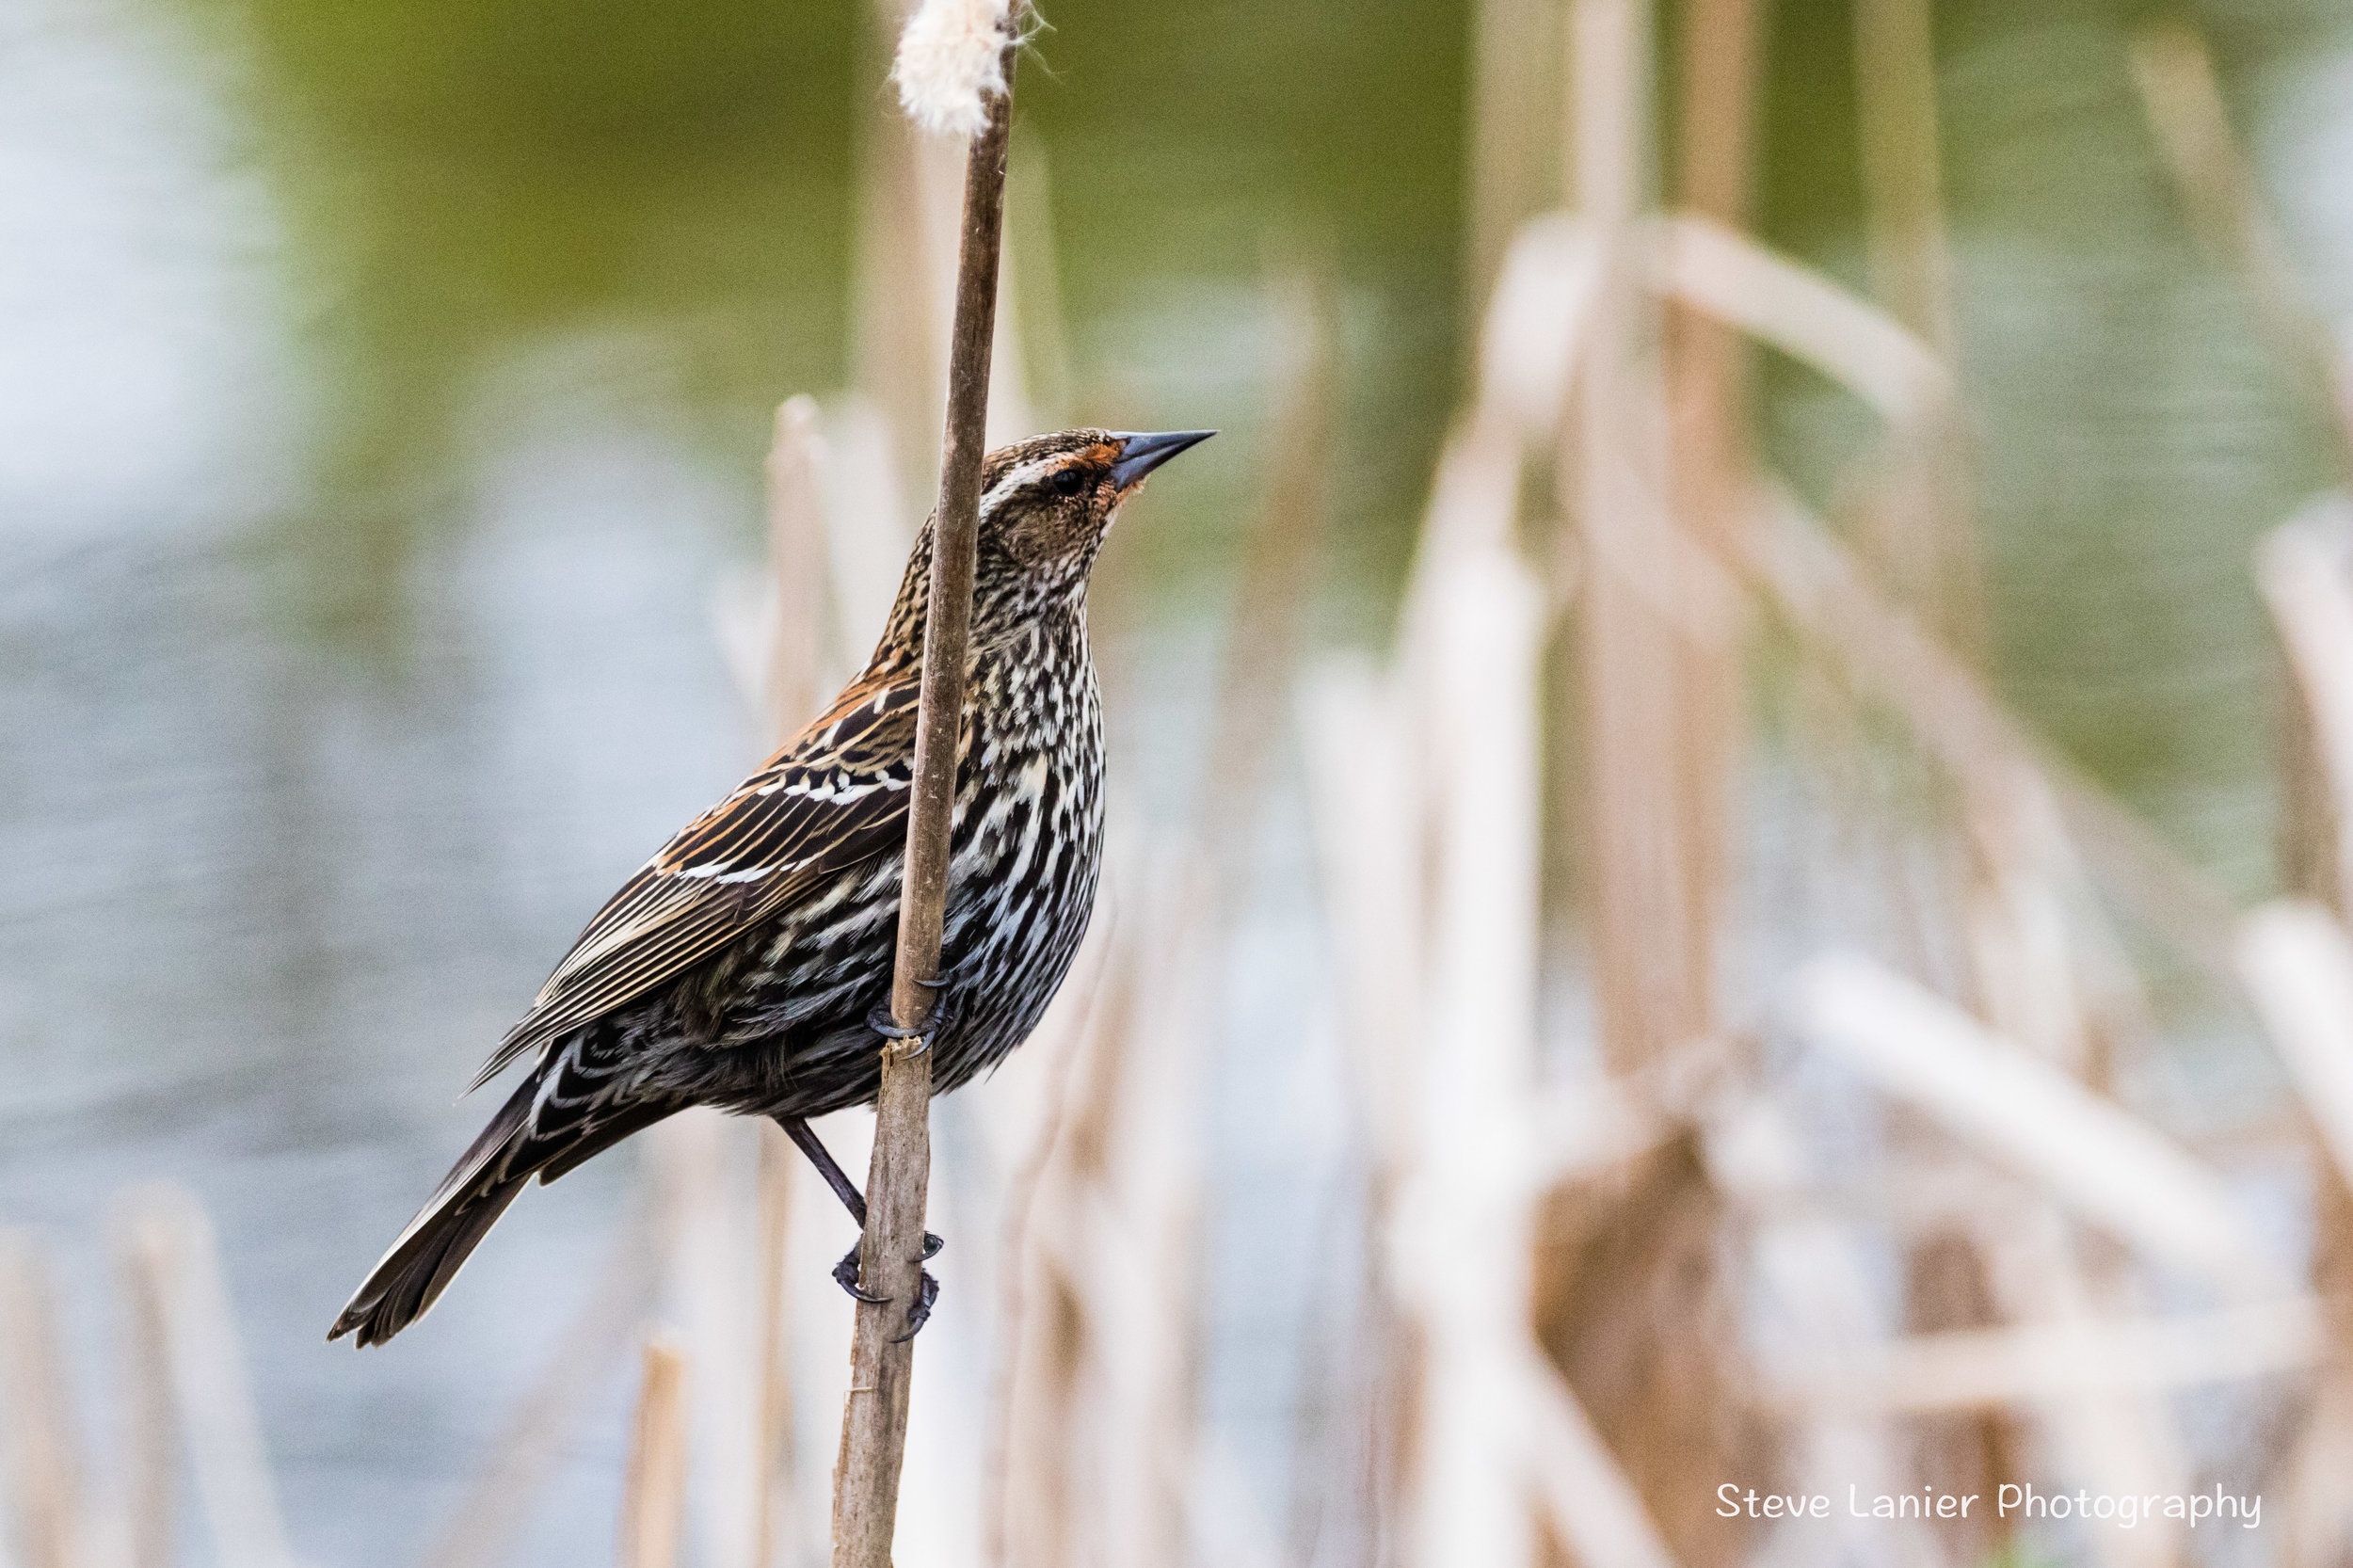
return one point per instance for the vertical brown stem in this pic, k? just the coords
(772, 1471)
(653, 1500)
(1707, 389)
(2312, 866)
(1921, 523)
(1513, 105)
(1902, 173)
(897, 324)
(43, 1469)
(1663, 691)
(796, 559)
(151, 1460)
(1650, 978)
(1278, 581)
(1921, 534)
(210, 1388)
(874, 1423)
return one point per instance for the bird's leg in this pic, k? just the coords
(845, 1273)
(805, 1140)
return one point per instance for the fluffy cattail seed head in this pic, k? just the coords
(950, 59)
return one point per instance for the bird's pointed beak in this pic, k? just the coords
(1138, 455)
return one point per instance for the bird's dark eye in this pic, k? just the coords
(1069, 481)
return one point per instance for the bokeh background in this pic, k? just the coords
(384, 394)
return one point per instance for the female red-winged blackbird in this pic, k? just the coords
(748, 965)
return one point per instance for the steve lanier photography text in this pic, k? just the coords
(2010, 1501)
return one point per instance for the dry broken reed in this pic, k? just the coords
(185, 1402)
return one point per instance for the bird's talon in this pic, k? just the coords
(945, 1011)
(920, 1313)
(845, 1276)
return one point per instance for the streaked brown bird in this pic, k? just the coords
(748, 965)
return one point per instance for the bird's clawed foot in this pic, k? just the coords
(926, 1292)
(945, 1008)
(845, 1273)
(845, 1276)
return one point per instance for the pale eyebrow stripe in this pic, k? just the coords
(1018, 478)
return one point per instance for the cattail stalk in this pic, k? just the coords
(874, 1425)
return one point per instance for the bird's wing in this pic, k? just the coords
(835, 798)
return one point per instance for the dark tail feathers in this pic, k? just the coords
(469, 1202)
(430, 1251)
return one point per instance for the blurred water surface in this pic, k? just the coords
(382, 390)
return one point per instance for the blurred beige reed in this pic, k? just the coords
(1698, 1290)
(185, 1406)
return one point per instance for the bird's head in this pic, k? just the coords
(1045, 505)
